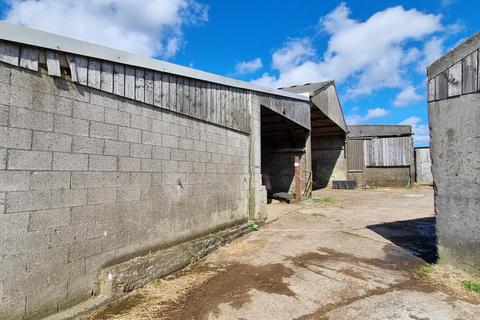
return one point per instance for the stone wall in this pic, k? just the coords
(455, 151)
(89, 179)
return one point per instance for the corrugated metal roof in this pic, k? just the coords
(18, 34)
(308, 87)
(359, 131)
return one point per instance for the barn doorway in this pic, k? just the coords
(283, 156)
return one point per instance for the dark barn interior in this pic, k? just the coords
(282, 140)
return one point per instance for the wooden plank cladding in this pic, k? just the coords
(295, 110)
(224, 105)
(463, 77)
(389, 152)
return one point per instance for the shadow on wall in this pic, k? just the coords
(323, 168)
(417, 236)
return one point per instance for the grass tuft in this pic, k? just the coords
(471, 285)
(424, 269)
(318, 215)
(326, 201)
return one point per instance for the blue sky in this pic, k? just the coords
(376, 51)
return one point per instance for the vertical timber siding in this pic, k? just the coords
(388, 152)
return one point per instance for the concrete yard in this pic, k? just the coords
(344, 255)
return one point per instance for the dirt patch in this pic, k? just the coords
(240, 247)
(119, 307)
(394, 260)
(295, 237)
(450, 279)
(198, 291)
(232, 287)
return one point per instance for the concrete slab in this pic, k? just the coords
(351, 257)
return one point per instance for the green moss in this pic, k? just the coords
(471, 285)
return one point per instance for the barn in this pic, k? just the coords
(328, 132)
(380, 155)
(107, 156)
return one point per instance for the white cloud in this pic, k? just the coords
(432, 50)
(421, 131)
(371, 114)
(372, 52)
(151, 27)
(407, 96)
(248, 66)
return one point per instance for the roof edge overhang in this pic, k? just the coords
(28, 36)
(342, 125)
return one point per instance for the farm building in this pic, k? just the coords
(423, 166)
(454, 117)
(380, 155)
(106, 155)
(328, 132)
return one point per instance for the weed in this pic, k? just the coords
(471, 285)
(424, 269)
(326, 201)
(318, 215)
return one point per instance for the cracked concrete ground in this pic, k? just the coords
(345, 255)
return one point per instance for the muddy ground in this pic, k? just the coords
(344, 255)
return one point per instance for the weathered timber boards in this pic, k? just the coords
(387, 152)
(106, 79)
(212, 102)
(460, 78)
(294, 110)
(53, 63)
(29, 58)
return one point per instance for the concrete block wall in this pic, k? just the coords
(455, 152)
(328, 160)
(88, 179)
(258, 194)
(423, 166)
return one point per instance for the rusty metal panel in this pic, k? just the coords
(389, 152)
(355, 159)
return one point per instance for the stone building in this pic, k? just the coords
(106, 155)
(454, 117)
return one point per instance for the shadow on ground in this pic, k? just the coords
(417, 236)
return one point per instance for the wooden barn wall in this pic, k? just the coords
(460, 78)
(355, 159)
(327, 101)
(295, 110)
(215, 103)
(388, 152)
